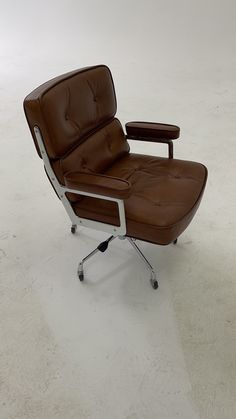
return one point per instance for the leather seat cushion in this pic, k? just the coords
(165, 196)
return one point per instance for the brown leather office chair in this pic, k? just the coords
(100, 183)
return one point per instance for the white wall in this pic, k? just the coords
(166, 34)
(165, 38)
(166, 56)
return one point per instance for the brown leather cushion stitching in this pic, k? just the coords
(69, 107)
(149, 215)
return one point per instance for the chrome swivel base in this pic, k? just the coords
(102, 247)
(153, 278)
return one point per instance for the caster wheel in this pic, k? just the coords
(175, 241)
(73, 229)
(81, 276)
(154, 284)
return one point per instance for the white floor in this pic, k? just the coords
(112, 347)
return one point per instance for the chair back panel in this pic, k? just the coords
(96, 154)
(70, 107)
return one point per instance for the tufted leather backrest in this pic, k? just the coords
(75, 113)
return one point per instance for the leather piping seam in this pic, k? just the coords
(152, 139)
(85, 137)
(40, 97)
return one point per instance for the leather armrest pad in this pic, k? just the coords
(152, 131)
(98, 184)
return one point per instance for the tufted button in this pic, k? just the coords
(83, 163)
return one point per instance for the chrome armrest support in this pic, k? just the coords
(155, 140)
(115, 230)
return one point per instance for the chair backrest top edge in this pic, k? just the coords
(39, 91)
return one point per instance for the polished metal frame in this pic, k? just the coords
(62, 190)
(116, 231)
(100, 248)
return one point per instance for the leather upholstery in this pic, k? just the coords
(165, 194)
(152, 131)
(84, 99)
(99, 184)
(88, 150)
(75, 113)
